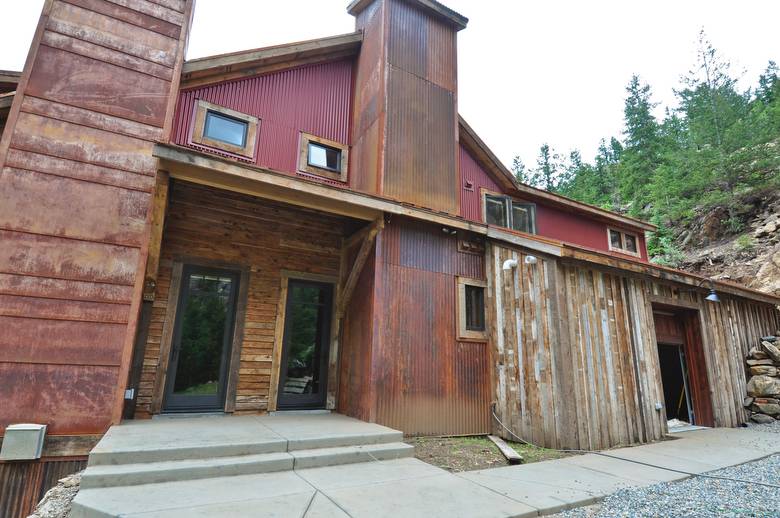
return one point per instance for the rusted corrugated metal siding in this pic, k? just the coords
(77, 177)
(23, 484)
(314, 99)
(478, 178)
(426, 381)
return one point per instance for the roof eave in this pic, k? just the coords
(442, 11)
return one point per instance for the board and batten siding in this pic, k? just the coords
(575, 355)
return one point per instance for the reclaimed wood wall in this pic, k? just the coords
(241, 232)
(575, 354)
(97, 92)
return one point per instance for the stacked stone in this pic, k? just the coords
(763, 388)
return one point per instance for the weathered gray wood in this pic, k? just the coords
(507, 451)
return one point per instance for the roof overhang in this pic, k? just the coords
(482, 153)
(197, 167)
(237, 65)
(432, 6)
(9, 79)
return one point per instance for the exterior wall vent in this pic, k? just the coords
(23, 442)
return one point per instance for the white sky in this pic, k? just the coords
(529, 71)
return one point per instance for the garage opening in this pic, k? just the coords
(683, 367)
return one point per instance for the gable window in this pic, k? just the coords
(323, 157)
(224, 129)
(623, 242)
(471, 309)
(506, 212)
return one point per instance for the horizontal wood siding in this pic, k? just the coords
(575, 353)
(76, 180)
(245, 232)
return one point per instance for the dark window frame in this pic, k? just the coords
(623, 249)
(304, 165)
(509, 204)
(211, 114)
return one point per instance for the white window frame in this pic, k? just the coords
(623, 249)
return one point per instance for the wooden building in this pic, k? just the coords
(313, 225)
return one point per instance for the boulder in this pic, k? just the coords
(772, 351)
(757, 354)
(766, 400)
(759, 386)
(766, 230)
(748, 401)
(762, 419)
(772, 409)
(763, 370)
(770, 338)
(767, 361)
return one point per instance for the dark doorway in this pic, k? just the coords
(304, 368)
(683, 365)
(205, 317)
(675, 382)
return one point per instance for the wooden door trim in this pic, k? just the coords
(281, 313)
(166, 339)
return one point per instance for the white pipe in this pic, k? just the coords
(509, 264)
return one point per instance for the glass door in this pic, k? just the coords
(203, 332)
(304, 370)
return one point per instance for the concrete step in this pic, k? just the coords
(113, 475)
(320, 457)
(334, 440)
(190, 469)
(106, 455)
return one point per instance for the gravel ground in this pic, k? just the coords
(697, 497)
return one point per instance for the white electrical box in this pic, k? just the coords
(23, 442)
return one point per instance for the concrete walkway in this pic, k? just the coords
(409, 487)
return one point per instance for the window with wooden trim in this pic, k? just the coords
(471, 309)
(224, 129)
(507, 212)
(623, 242)
(323, 157)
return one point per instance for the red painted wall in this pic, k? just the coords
(551, 221)
(315, 99)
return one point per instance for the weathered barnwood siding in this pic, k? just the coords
(77, 176)
(241, 232)
(575, 353)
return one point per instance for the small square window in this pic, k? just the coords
(503, 211)
(225, 129)
(323, 157)
(475, 308)
(523, 217)
(623, 242)
(471, 310)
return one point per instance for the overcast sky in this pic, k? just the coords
(529, 71)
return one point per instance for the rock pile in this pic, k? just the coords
(763, 388)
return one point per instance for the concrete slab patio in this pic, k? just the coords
(410, 487)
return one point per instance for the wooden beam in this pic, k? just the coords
(357, 266)
(159, 211)
(507, 451)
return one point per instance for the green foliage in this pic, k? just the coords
(745, 243)
(720, 145)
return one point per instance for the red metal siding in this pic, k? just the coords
(550, 221)
(314, 99)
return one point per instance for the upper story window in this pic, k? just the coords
(504, 211)
(323, 157)
(224, 129)
(623, 242)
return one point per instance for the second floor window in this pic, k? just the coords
(623, 242)
(322, 157)
(223, 129)
(503, 211)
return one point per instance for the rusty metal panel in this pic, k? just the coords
(314, 99)
(422, 45)
(420, 160)
(426, 382)
(132, 16)
(472, 174)
(23, 484)
(68, 398)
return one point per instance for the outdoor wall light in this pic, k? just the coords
(712, 297)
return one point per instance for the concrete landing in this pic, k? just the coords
(409, 487)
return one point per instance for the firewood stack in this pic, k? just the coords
(763, 388)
